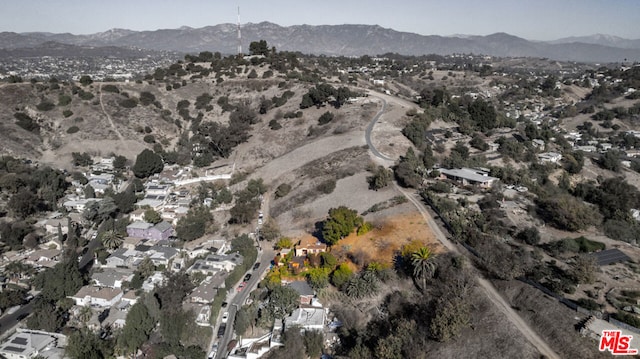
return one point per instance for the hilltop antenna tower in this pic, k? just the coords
(239, 34)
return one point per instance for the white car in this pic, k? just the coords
(225, 317)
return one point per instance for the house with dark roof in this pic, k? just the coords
(304, 290)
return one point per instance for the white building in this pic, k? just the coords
(99, 297)
(32, 343)
(549, 157)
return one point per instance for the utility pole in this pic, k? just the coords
(239, 34)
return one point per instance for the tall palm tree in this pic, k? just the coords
(111, 239)
(423, 266)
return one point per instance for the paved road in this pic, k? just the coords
(367, 133)
(237, 299)
(9, 321)
(486, 286)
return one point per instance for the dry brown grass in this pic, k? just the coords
(386, 239)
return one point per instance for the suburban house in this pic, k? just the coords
(111, 277)
(215, 262)
(309, 245)
(549, 157)
(137, 215)
(95, 296)
(123, 257)
(44, 257)
(306, 318)
(157, 232)
(304, 290)
(32, 343)
(79, 205)
(468, 176)
(206, 291)
(52, 225)
(129, 298)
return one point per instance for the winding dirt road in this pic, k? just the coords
(486, 286)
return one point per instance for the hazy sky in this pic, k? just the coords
(530, 19)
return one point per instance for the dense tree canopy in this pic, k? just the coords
(147, 163)
(340, 223)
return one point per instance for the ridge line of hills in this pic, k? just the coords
(332, 40)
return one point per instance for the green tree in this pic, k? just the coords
(340, 223)
(194, 224)
(85, 80)
(406, 171)
(284, 242)
(282, 301)
(152, 216)
(119, 162)
(147, 163)
(84, 344)
(270, 231)
(313, 343)
(318, 277)
(380, 178)
(137, 329)
(259, 48)
(423, 266)
(341, 275)
(111, 239)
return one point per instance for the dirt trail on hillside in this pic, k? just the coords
(113, 125)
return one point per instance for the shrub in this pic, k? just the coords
(110, 88)
(283, 190)
(26, 122)
(147, 98)
(73, 129)
(327, 186)
(64, 100)
(45, 105)
(267, 74)
(149, 139)
(85, 95)
(275, 125)
(129, 103)
(325, 118)
(529, 235)
(365, 228)
(67, 113)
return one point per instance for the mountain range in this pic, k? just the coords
(347, 40)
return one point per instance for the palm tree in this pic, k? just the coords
(423, 266)
(111, 239)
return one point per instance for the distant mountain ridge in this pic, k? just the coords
(347, 40)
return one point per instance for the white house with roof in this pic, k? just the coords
(468, 176)
(111, 277)
(549, 157)
(96, 296)
(307, 318)
(32, 343)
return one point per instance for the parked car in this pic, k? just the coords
(241, 286)
(221, 330)
(247, 277)
(225, 317)
(256, 266)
